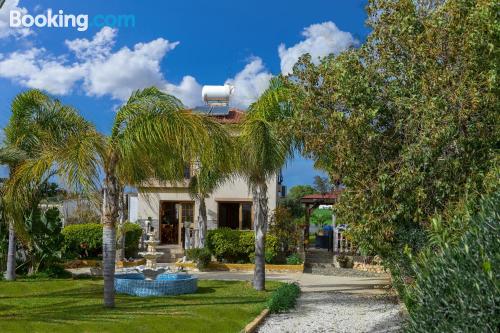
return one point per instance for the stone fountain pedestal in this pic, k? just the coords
(150, 280)
(150, 270)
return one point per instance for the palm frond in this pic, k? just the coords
(156, 137)
(264, 147)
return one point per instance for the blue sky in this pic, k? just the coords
(176, 45)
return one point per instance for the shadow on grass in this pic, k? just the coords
(83, 304)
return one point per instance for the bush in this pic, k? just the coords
(284, 298)
(345, 261)
(200, 256)
(82, 240)
(238, 246)
(456, 289)
(85, 240)
(286, 230)
(133, 233)
(293, 259)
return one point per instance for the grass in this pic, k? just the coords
(76, 306)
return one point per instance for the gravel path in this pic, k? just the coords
(336, 312)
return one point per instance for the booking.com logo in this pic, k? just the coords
(59, 19)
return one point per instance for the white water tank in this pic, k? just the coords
(217, 94)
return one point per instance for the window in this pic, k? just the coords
(246, 216)
(235, 215)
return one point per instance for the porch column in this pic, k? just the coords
(335, 233)
(306, 228)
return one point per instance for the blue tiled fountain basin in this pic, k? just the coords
(164, 284)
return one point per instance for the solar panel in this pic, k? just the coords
(212, 110)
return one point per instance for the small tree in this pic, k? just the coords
(286, 231)
(49, 139)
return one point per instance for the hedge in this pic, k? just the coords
(237, 246)
(457, 289)
(133, 233)
(85, 240)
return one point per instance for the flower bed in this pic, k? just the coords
(218, 266)
(80, 263)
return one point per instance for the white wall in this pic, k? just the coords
(133, 207)
(234, 190)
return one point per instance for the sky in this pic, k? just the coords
(178, 46)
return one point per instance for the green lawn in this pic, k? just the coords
(75, 306)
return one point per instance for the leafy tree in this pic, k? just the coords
(321, 217)
(286, 231)
(43, 138)
(322, 184)
(292, 200)
(409, 121)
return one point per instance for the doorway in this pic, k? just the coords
(172, 217)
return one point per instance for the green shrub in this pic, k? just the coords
(85, 240)
(133, 233)
(456, 289)
(238, 246)
(82, 240)
(284, 298)
(345, 261)
(293, 259)
(224, 243)
(200, 256)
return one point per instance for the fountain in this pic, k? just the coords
(150, 271)
(151, 280)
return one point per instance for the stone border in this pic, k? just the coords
(254, 324)
(217, 266)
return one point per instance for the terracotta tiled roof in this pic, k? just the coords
(234, 116)
(223, 114)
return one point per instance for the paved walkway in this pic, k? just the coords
(313, 283)
(330, 304)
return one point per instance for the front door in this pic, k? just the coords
(172, 216)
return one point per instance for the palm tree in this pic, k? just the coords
(9, 156)
(44, 138)
(153, 137)
(204, 182)
(265, 149)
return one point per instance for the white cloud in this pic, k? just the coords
(5, 29)
(321, 39)
(249, 83)
(101, 71)
(99, 47)
(120, 73)
(32, 68)
(188, 91)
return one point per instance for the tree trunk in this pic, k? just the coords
(260, 228)
(202, 222)
(10, 274)
(111, 202)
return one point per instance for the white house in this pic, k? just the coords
(170, 205)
